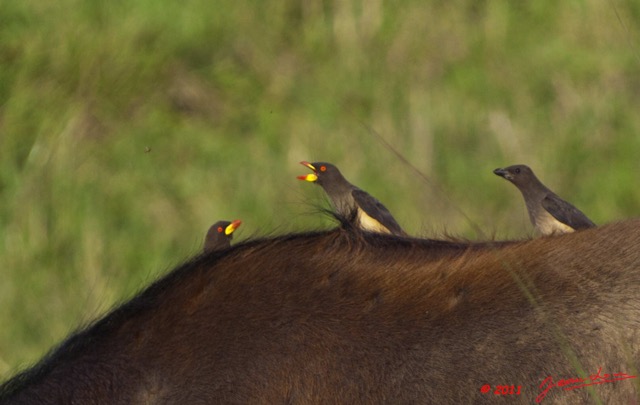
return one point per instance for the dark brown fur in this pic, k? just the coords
(348, 317)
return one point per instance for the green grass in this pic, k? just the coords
(128, 127)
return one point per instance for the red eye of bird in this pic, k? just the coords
(323, 168)
(220, 229)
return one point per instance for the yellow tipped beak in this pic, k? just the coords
(309, 165)
(309, 177)
(232, 227)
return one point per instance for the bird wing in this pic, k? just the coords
(566, 213)
(376, 210)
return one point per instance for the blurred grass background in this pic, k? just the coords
(128, 127)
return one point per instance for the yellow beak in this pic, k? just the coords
(308, 177)
(309, 165)
(232, 227)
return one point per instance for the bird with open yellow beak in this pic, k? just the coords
(346, 198)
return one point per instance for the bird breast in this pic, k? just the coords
(546, 224)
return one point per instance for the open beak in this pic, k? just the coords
(309, 177)
(232, 227)
(503, 173)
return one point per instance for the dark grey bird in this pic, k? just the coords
(549, 213)
(371, 215)
(219, 235)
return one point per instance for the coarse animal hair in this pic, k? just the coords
(355, 317)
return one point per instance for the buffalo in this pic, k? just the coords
(347, 316)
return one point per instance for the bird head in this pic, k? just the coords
(219, 235)
(517, 174)
(226, 228)
(323, 173)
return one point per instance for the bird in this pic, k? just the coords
(370, 214)
(548, 213)
(219, 235)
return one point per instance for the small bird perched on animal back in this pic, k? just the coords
(219, 235)
(345, 198)
(549, 213)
